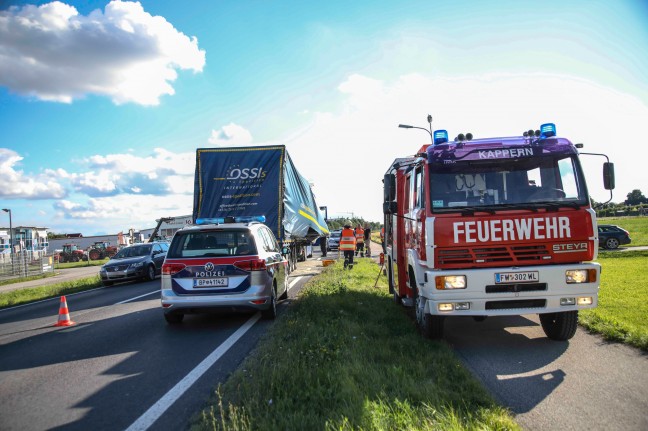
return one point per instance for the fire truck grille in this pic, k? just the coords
(516, 287)
(491, 256)
(516, 304)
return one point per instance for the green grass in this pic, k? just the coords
(23, 296)
(343, 357)
(623, 299)
(637, 226)
(80, 263)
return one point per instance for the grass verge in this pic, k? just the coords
(343, 357)
(623, 299)
(23, 296)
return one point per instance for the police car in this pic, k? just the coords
(230, 264)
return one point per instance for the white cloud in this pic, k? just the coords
(345, 153)
(52, 53)
(230, 135)
(16, 184)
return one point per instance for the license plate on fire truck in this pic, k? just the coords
(210, 282)
(517, 277)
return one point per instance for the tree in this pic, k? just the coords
(635, 197)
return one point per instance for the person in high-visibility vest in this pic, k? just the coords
(359, 236)
(348, 245)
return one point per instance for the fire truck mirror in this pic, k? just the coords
(389, 188)
(390, 207)
(608, 175)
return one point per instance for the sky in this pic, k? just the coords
(103, 104)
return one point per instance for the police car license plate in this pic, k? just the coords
(210, 282)
(517, 277)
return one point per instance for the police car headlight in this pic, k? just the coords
(575, 276)
(444, 282)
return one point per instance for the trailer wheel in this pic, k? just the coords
(559, 326)
(429, 326)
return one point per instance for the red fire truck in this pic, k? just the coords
(493, 227)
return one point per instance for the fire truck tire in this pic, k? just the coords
(428, 325)
(559, 326)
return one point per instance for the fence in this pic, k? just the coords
(25, 264)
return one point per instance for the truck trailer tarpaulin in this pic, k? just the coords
(253, 181)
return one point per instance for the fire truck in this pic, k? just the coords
(492, 227)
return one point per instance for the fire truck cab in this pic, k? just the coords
(492, 227)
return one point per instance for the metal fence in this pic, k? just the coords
(25, 264)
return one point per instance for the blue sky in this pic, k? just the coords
(103, 105)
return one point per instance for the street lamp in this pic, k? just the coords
(429, 119)
(7, 210)
(325, 209)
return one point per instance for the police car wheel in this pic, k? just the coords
(150, 273)
(271, 312)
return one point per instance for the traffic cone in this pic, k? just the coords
(64, 314)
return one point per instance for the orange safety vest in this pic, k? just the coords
(359, 234)
(347, 240)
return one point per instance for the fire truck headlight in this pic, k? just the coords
(574, 276)
(444, 282)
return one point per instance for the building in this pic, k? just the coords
(29, 238)
(168, 228)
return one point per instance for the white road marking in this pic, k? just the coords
(163, 404)
(158, 409)
(137, 297)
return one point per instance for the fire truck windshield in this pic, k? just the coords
(531, 182)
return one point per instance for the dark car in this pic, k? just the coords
(135, 262)
(611, 236)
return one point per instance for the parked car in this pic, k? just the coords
(334, 240)
(611, 236)
(135, 262)
(231, 266)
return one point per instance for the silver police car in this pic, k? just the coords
(223, 266)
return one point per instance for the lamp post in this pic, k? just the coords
(429, 119)
(325, 209)
(7, 210)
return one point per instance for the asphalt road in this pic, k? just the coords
(585, 383)
(119, 360)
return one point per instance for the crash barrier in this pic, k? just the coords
(25, 264)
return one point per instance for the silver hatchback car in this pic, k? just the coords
(223, 267)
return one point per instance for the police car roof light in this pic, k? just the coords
(548, 130)
(237, 219)
(440, 136)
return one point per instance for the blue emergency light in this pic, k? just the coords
(440, 136)
(223, 220)
(547, 130)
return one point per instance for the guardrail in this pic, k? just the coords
(25, 264)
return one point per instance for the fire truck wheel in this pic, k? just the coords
(429, 326)
(559, 326)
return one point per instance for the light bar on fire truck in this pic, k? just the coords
(237, 219)
(440, 136)
(547, 130)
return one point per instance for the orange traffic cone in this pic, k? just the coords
(64, 314)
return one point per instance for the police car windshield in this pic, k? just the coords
(526, 183)
(212, 243)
